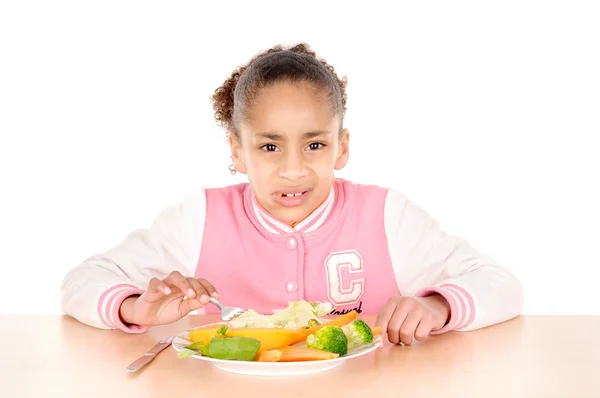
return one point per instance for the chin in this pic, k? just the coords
(289, 216)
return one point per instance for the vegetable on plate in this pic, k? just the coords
(296, 333)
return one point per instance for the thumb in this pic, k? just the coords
(384, 316)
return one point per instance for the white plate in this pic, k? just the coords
(277, 368)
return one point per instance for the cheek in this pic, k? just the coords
(322, 159)
(323, 168)
(258, 164)
(251, 159)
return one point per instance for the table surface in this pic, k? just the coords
(529, 356)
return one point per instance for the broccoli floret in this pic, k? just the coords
(330, 339)
(358, 333)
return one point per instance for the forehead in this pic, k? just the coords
(290, 109)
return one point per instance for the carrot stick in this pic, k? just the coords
(270, 339)
(376, 330)
(269, 356)
(300, 353)
(337, 321)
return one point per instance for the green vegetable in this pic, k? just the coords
(311, 324)
(223, 347)
(222, 331)
(295, 316)
(322, 308)
(358, 333)
(186, 353)
(193, 349)
(197, 346)
(329, 338)
(233, 348)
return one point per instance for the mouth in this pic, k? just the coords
(290, 195)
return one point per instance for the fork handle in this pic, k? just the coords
(216, 302)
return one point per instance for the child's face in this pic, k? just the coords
(290, 146)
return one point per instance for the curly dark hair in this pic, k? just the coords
(298, 63)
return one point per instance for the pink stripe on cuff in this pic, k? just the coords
(467, 302)
(107, 311)
(457, 310)
(116, 319)
(105, 297)
(110, 303)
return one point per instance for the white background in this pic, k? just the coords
(487, 114)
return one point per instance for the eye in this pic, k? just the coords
(269, 147)
(313, 146)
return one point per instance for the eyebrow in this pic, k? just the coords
(277, 136)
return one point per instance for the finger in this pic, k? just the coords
(182, 283)
(424, 328)
(156, 291)
(189, 305)
(395, 324)
(210, 289)
(409, 326)
(384, 316)
(201, 294)
(158, 286)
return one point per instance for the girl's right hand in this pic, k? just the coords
(166, 301)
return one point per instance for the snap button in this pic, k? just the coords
(292, 243)
(292, 287)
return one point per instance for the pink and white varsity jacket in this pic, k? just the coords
(363, 245)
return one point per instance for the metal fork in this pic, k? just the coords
(227, 313)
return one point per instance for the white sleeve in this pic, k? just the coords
(426, 260)
(93, 291)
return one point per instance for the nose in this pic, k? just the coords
(292, 166)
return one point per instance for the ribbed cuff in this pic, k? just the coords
(462, 308)
(110, 303)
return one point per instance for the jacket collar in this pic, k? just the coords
(311, 223)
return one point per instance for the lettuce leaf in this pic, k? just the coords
(295, 316)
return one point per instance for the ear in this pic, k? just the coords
(236, 153)
(344, 150)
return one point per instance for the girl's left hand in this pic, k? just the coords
(408, 318)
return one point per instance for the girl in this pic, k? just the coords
(294, 231)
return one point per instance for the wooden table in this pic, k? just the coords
(530, 356)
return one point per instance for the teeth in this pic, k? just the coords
(291, 195)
